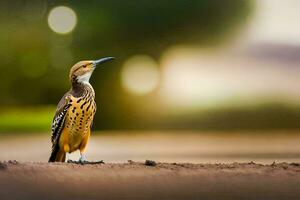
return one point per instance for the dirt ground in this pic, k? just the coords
(136, 180)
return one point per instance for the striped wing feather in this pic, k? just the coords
(59, 119)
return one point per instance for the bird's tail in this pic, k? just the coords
(57, 155)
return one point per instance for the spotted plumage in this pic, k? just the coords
(72, 122)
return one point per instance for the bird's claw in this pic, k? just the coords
(83, 162)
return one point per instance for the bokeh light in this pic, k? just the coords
(62, 19)
(140, 75)
(195, 78)
(190, 77)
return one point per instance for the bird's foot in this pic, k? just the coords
(83, 162)
(82, 158)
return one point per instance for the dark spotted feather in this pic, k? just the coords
(57, 124)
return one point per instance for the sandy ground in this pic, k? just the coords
(133, 180)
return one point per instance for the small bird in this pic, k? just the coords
(72, 122)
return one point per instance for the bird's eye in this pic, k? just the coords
(84, 66)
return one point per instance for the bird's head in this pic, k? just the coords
(82, 71)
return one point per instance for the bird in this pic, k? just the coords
(73, 119)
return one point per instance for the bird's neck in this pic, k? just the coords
(80, 89)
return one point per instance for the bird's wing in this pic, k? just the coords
(59, 118)
(95, 107)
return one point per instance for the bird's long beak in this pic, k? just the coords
(102, 60)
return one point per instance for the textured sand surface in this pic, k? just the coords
(132, 180)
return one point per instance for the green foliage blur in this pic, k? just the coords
(31, 119)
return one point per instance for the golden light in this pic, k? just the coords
(140, 75)
(62, 19)
(190, 78)
(193, 78)
(275, 22)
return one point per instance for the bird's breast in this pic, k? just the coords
(79, 119)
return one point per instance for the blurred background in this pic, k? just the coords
(194, 81)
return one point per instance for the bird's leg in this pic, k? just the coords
(82, 158)
(69, 160)
(67, 157)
